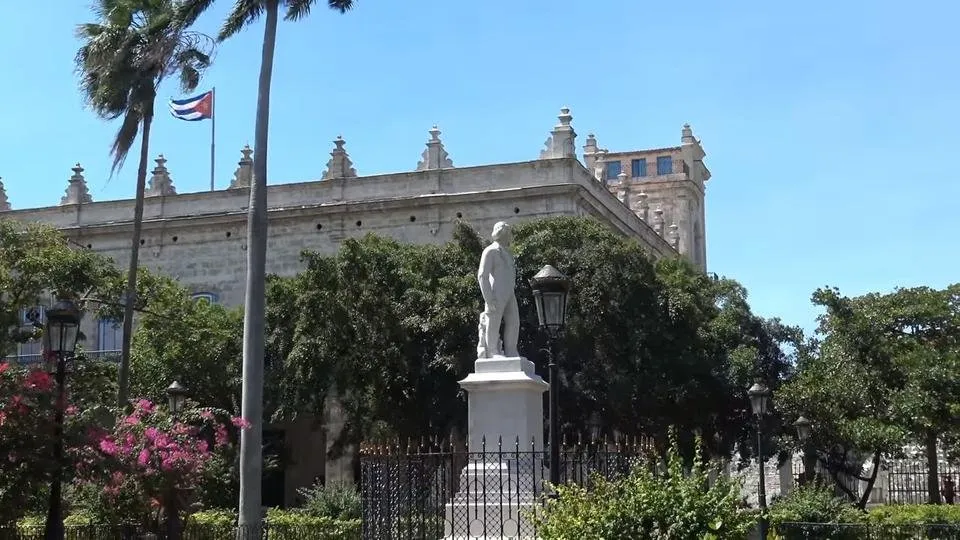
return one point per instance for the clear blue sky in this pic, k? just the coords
(828, 125)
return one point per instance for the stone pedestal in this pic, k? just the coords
(502, 478)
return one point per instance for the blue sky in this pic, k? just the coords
(828, 125)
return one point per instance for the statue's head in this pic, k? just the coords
(502, 232)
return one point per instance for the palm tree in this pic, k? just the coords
(244, 13)
(126, 54)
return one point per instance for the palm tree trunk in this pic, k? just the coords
(131, 293)
(251, 440)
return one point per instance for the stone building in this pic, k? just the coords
(655, 196)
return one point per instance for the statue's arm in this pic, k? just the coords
(483, 276)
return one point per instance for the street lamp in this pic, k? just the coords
(550, 288)
(176, 397)
(59, 341)
(804, 429)
(760, 402)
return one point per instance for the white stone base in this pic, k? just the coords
(498, 487)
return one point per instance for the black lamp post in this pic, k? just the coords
(550, 288)
(804, 429)
(59, 342)
(176, 398)
(759, 402)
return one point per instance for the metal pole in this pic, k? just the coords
(554, 418)
(213, 134)
(53, 529)
(762, 488)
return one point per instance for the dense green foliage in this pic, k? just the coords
(883, 372)
(671, 505)
(389, 328)
(814, 503)
(334, 500)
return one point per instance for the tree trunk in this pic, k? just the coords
(251, 440)
(123, 386)
(933, 472)
(865, 498)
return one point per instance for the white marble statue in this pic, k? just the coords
(497, 276)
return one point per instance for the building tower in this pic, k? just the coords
(671, 180)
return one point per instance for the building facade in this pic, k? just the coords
(655, 196)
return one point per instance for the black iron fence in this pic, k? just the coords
(907, 482)
(861, 531)
(268, 531)
(441, 491)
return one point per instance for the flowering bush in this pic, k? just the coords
(26, 431)
(150, 460)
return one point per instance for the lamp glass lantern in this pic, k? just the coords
(62, 329)
(550, 288)
(804, 428)
(759, 398)
(176, 396)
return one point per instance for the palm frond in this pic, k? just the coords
(188, 11)
(125, 137)
(298, 9)
(244, 12)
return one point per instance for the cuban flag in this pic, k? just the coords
(193, 109)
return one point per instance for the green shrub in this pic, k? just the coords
(647, 505)
(335, 500)
(286, 525)
(210, 524)
(813, 503)
(908, 514)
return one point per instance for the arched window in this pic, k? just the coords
(208, 297)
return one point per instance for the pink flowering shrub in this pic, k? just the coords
(26, 431)
(150, 457)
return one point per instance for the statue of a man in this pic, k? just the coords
(497, 276)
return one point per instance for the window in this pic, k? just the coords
(664, 165)
(109, 335)
(613, 170)
(208, 297)
(638, 168)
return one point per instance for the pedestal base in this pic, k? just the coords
(499, 487)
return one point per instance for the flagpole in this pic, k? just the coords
(213, 134)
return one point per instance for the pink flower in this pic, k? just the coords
(151, 433)
(108, 447)
(4, 366)
(145, 405)
(241, 423)
(144, 457)
(220, 436)
(71, 410)
(131, 420)
(39, 380)
(206, 415)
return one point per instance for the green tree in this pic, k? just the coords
(388, 329)
(132, 47)
(36, 261)
(881, 374)
(244, 13)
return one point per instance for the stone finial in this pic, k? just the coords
(644, 206)
(243, 176)
(590, 151)
(435, 156)
(674, 236)
(4, 203)
(686, 135)
(658, 220)
(77, 192)
(599, 162)
(339, 165)
(161, 184)
(561, 143)
(622, 189)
